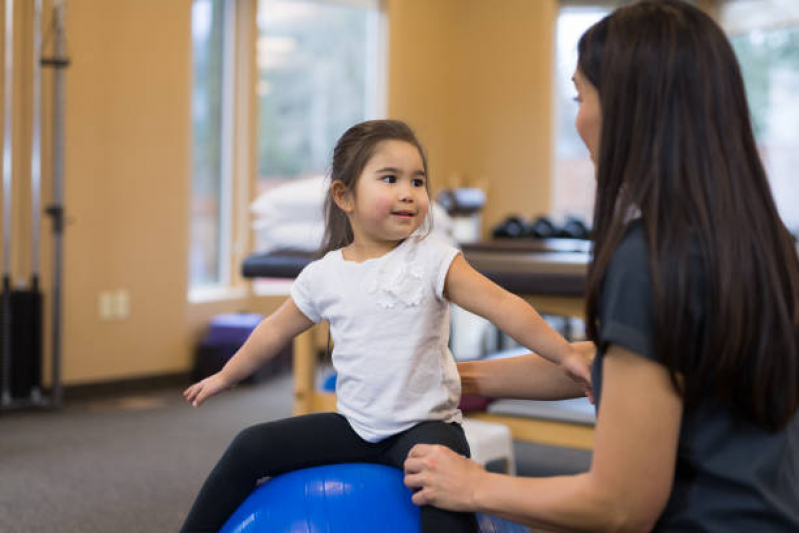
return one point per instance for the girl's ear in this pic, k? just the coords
(342, 195)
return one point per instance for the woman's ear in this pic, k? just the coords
(342, 195)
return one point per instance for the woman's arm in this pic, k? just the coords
(479, 295)
(631, 474)
(526, 376)
(264, 342)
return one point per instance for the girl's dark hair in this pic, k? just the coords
(352, 152)
(676, 143)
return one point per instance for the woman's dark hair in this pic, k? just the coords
(352, 152)
(676, 143)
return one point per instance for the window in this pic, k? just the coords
(574, 185)
(212, 29)
(319, 72)
(765, 36)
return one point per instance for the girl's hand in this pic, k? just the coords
(441, 477)
(214, 384)
(577, 366)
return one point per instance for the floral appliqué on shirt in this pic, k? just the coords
(398, 282)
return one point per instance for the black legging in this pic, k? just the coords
(312, 440)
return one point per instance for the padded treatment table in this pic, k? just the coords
(550, 274)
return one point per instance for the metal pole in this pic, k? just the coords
(5, 395)
(36, 141)
(59, 62)
(36, 183)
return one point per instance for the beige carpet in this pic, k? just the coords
(134, 463)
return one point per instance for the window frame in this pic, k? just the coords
(555, 209)
(234, 165)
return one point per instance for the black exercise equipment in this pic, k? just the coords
(542, 228)
(21, 334)
(512, 227)
(574, 228)
(515, 227)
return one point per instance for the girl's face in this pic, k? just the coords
(390, 200)
(589, 117)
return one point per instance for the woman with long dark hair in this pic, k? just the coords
(692, 302)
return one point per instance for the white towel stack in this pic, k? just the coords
(290, 217)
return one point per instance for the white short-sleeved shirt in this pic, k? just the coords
(389, 323)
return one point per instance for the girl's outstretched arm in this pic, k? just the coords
(477, 294)
(264, 342)
(526, 377)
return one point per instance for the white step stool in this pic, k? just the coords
(488, 442)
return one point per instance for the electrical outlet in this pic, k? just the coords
(121, 304)
(105, 306)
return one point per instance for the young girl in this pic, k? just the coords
(693, 302)
(385, 288)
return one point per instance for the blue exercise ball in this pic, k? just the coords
(346, 498)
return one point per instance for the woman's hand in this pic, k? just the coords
(214, 384)
(442, 478)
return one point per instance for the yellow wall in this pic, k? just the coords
(127, 185)
(472, 76)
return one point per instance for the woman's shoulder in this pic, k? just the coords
(634, 240)
(633, 249)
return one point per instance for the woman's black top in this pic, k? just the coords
(731, 475)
